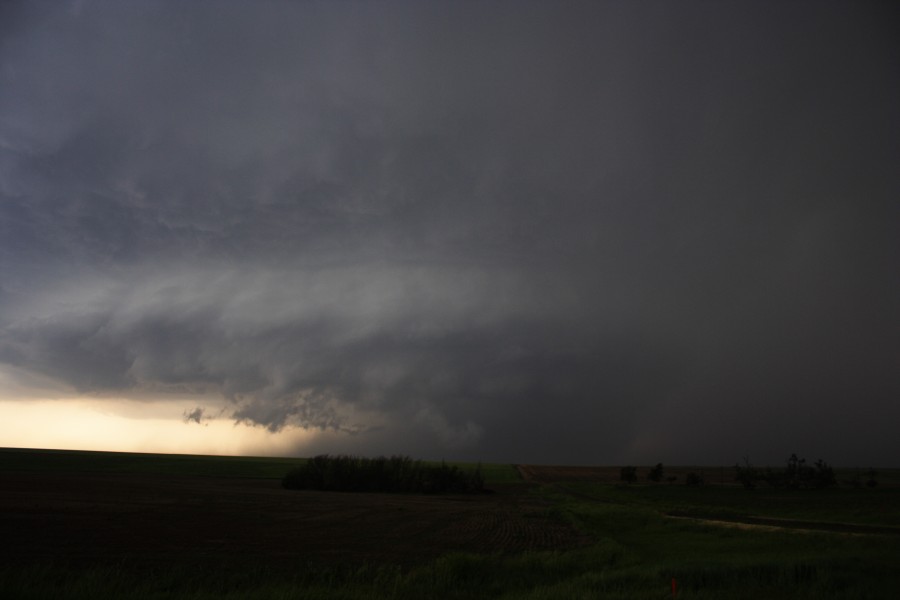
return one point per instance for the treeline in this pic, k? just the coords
(397, 474)
(656, 474)
(796, 474)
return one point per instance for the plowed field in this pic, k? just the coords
(99, 518)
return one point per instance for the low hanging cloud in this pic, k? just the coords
(196, 415)
(452, 352)
(583, 232)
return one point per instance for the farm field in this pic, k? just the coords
(55, 461)
(98, 525)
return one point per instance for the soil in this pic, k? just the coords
(772, 523)
(103, 518)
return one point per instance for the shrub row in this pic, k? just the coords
(796, 474)
(656, 474)
(397, 474)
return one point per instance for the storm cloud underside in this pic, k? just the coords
(532, 232)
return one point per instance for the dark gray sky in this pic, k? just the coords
(558, 232)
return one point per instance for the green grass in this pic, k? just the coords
(636, 556)
(715, 562)
(864, 506)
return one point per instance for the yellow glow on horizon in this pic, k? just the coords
(81, 424)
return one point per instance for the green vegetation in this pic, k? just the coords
(796, 474)
(710, 561)
(632, 550)
(656, 473)
(397, 474)
(864, 506)
(636, 553)
(692, 479)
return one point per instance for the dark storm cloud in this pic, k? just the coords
(196, 415)
(586, 232)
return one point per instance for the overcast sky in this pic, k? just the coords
(548, 232)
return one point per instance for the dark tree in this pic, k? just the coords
(797, 474)
(871, 475)
(344, 473)
(628, 474)
(823, 476)
(746, 474)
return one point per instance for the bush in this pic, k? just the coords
(693, 480)
(656, 473)
(628, 474)
(871, 481)
(797, 474)
(397, 474)
(747, 475)
(823, 476)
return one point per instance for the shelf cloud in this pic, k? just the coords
(535, 232)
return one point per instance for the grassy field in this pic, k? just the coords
(98, 525)
(866, 507)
